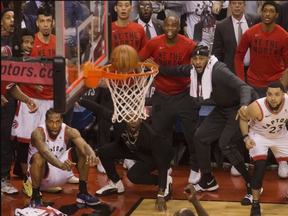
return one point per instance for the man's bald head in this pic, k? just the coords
(172, 17)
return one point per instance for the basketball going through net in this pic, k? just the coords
(128, 90)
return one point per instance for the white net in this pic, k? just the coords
(128, 95)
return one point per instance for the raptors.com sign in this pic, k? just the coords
(27, 72)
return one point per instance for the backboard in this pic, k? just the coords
(79, 39)
(82, 34)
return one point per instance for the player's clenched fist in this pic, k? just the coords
(67, 165)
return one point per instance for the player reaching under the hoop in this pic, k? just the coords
(135, 139)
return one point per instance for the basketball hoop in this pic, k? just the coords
(128, 90)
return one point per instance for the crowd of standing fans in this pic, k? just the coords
(233, 54)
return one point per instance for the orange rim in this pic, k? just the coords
(101, 71)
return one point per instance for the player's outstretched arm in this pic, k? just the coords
(75, 136)
(96, 108)
(191, 197)
(16, 92)
(38, 140)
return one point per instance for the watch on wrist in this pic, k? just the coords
(246, 136)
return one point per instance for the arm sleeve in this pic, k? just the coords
(178, 70)
(97, 109)
(239, 56)
(227, 78)
(146, 51)
(162, 156)
(174, 3)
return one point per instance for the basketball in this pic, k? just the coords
(124, 58)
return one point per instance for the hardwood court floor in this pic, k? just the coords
(224, 201)
(214, 208)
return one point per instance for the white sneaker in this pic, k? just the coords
(168, 190)
(100, 168)
(283, 169)
(234, 172)
(111, 188)
(6, 187)
(73, 180)
(128, 163)
(169, 171)
(194, 177)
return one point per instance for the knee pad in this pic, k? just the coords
(258, 174)
(22, 152)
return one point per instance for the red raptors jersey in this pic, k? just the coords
(133, 35)
(44, 50)
(178, 54)
(267, 52)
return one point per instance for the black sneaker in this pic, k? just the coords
(255, 210)
(204, 185)
(247, 200)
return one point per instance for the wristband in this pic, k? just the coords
(246, 136)
(159, 195)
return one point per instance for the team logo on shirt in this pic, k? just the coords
(275, 125)
(9, 86)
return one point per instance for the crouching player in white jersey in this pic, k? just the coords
(51, 164)
(267, 129)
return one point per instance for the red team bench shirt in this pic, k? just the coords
(44, 50)
(5, 87)
(266, 52)
(178, 54)
(133, 34)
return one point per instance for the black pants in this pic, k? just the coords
(7, 146)
(166, 109)
(104, 125)
(138, 174)
(219, 124)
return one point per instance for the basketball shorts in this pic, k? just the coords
(25, 123)
(55, 177)
(278, 146)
